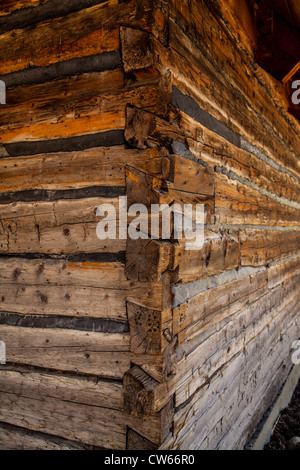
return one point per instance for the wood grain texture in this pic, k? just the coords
(62, 287)
(87, 32)
(70, 106)
(78, 169)
(47, 412)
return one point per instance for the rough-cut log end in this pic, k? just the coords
(139, 392)
(145, 329)
(139, 126)
(147, 260)
(136, 49)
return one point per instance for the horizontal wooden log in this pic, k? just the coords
(240, 18)
(207, 95)
(88, 422)
(143, 129)
(66, 144)
(251, 165)
(67, 37)
(215, 305)
(89, 103)
(257, 312)
(8, 6)
(248, 383)
(258, 378)
(243, 82)
(104, 355)
(64, 170)
(240, 204)
(20, 15)
(221, 252)
(264, 311)
(63, 226)
(281, 272)
(259, 247)
(57, 287)
(55, 45)
(17, 438)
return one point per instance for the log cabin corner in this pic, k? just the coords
(131, 344)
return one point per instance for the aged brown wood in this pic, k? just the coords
(140, 343)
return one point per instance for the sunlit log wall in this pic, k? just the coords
(141, 344)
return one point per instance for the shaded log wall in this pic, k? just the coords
(142, 344)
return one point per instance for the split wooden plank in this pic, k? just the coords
(77, 105)
(87, 422)
(55, 287)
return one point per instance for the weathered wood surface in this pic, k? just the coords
(61, 227)
(259, 247)
(243, 76)
(17, 438)
(221, 252)
(8, 6)
(91, 31)
(248, 164)
(271, 321)
(90, 420)
(218, 323)
(239, 204)
(215, 99)
(256, 380)
(99, 166)
(61, 287)
(76, 105)
(162, 102)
